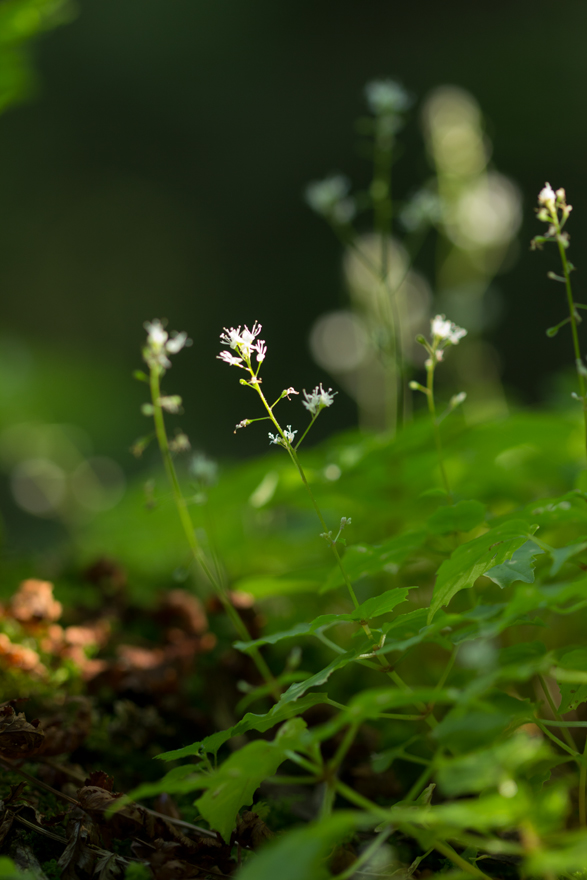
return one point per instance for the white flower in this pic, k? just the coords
(547, 196)
(457, 399)
(386, 97)
(278, 439)
(241, 342)
(445, 330)
(171, 404)
(329, 197)
(318, 399)
(177, 342)
(261, 350)
(157, 335)
(229, 358)
(159, 345)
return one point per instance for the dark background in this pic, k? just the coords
(160, 170)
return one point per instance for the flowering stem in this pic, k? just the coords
(435, 428)
(188, 527)
(392, 674)
(293, 455)
(573, 317)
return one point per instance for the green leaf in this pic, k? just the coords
(279, 712)
(234, 784)
(572, 693)
(471, 560)
(295, 691)
(371, 608)
(569, 856)
(561, 555)
(362, 560)
(460, 517)
(519, 568)
(493, 766)
(371, 703)
(302, 853)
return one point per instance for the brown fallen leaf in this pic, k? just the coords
(130, 821)
(68, 728)
(13, 654)
(34, 602)
(18, 737)
(251, 831)
(184, 610)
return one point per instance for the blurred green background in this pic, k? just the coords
(157, 166)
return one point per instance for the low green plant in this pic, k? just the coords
(477, 590)
(480, 600)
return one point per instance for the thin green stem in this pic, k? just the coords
(364, 624)
(364, 857)
(582, 786)
(188, 528)
(565, 731)
(572, 315)
(435, 428)
(446, 850)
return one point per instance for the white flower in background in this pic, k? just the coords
(330, 198)
(159, 345)
(386, 97)
(318, 399)
(444, 330)
(261, 350)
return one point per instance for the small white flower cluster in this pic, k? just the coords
(244, 343)
(550, 203)
(547, 196)
(425, 208)
(159, 344)
(278, 439)
(446, 331)
(330, 198)
(318, 399)
(386, 97)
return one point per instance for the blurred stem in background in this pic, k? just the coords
(476, 212)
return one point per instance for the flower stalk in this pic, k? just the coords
(554, 210)
(155, 354)
(443, 334)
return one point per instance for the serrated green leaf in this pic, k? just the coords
(279, 712)
(560, 556)
(460, 517)
(481, 769)
(475, 558)
(568, 856)
(368, 610)
(361, 560)
(519, 568)
(295, 691)
(234, 784)
(302, 853)
(572, 693)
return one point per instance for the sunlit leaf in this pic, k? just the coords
(471, 560)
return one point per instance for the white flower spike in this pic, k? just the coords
(445, 330)
(159, 345)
